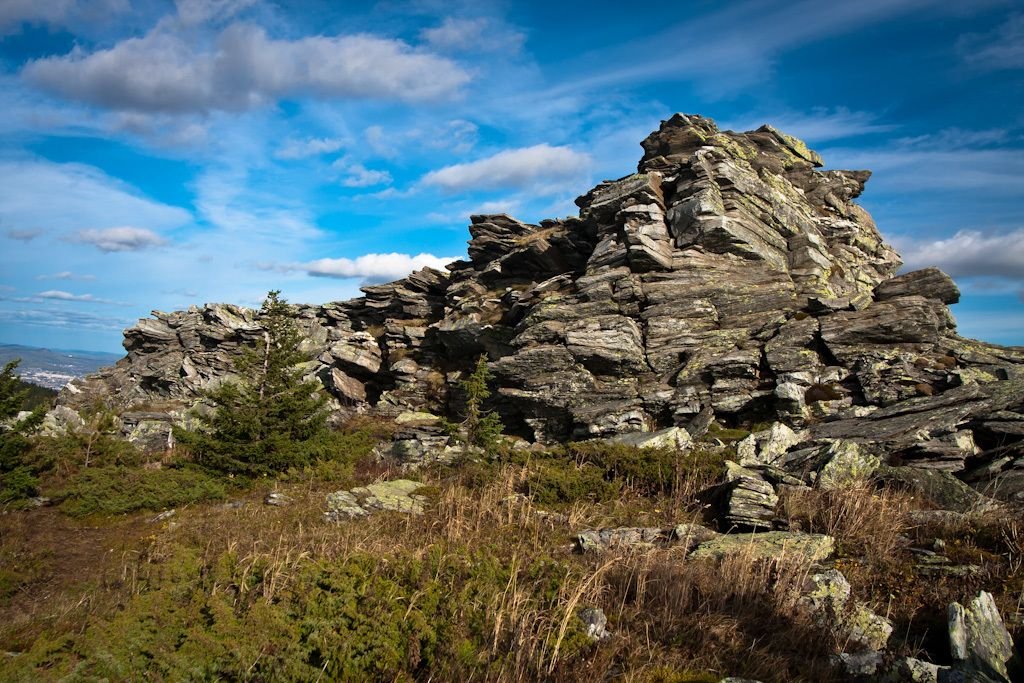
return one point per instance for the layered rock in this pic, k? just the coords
(728, 276)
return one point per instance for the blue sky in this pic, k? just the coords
(156, 154)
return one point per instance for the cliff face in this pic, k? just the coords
(728, 274)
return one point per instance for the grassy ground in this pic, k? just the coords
(483, 586)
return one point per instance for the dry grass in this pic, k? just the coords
(507, 576)
(865, 521)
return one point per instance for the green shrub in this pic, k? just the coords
(117, 490)
(17, 480)
(411, 617)
(18, 484)
(561, 481)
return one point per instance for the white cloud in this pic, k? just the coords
(64, 319)
(956, 138)
(162, 130)
(124, 238)
(310, 147)
(472, 35)
(192, 12)
(61, 295)
(162, 72)
(457, 135)
(931, 168)
(513, 168)
(968, 253)
(65, 275)
(64, 13)
(998, 50)
(65, 197)
(375, 267)
(226, 200)
(357, 175)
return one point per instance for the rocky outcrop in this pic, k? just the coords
(729, 276)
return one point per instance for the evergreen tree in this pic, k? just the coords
(270, 420)
(17, 475)
(481, 427)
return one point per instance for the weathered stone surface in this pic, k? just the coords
(398, 495)
(978, 640)
(595, 623)
(746, 500)
(631, 538)
(936, 486)
(827, 597)
(930, 283)
(672, 437)
(768, 545)
(845, 464)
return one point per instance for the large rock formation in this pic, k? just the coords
(728, 273)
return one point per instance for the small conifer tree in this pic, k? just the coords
(17, 475)
(481, 427)
(271, 419)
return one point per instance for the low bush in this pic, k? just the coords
(116, 490)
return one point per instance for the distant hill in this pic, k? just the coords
(53, 368)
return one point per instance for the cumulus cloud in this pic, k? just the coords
(512, 168)
(375, 267)
(969, 253)
(162, 72)
(310, 147)
(476, 35)
(65, 275)
(998, 50)
(124, 238)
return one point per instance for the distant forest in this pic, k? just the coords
(37, 395)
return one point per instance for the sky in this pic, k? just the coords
(158, 154)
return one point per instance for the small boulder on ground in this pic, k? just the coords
(398, 495)
(768, 545)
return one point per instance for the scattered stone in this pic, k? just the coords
(747, 499)
(846, 464)
(40, 501)
(978, 640)
(595, 622)
(767, 545)
(600, 540)
(163, 516)
(398, 495)
(277, 499)
(827, 595)
(941, 488)
(626, 538)
(672, 437)
(861, 664)
(767, 447)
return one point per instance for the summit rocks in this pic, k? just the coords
(729, 274)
